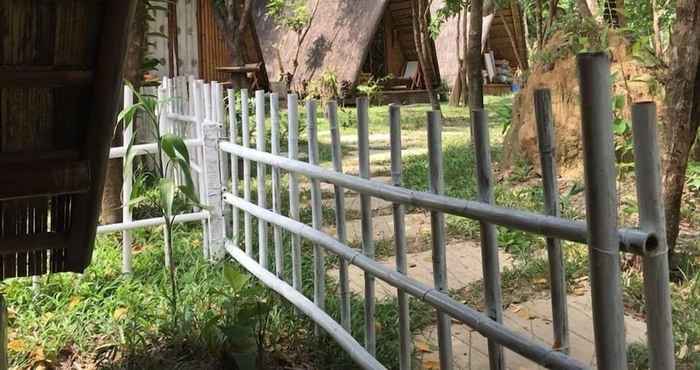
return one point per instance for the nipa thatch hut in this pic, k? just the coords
(503, 38)
(60, 85)
(351, 39)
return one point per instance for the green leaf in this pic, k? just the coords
(175, 148)
(236, 279)
(166, 192)
(618, 102)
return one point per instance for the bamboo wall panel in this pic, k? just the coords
(42, 36)
(213, 52)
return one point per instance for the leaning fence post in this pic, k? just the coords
(366, 220)
(557, 278)
(245, 128)
(127, 177)
(316, 209)
(262, 195)
(233, 133)
(399, 211)
(601, 210)
(437, 223)
(276, 196)
(341, 229)
(651, 216)
(489, 244)
(293, 144)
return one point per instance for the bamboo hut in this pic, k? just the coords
(503, 38)
(60, 85)
(351, 39)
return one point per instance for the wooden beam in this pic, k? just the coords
(107, 93)
(44, 178)
(44, 79)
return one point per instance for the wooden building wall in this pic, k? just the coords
(213, 52)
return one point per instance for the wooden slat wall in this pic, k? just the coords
(212, 48)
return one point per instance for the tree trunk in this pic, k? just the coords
(474, 57)
(456, 93)
(682, 110)
(421, 19)
(583, 8)
(111, 211)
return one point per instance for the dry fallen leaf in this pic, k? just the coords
(74, 301)
(119, 313)
(423, 346)
(16, 345)
(431, 365)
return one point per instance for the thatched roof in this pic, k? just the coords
(337, 40)
(495, 37)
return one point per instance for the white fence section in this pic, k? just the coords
(193, 110)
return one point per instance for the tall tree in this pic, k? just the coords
(474, 57)
(680, 126)
(234, 17)
(424, 46)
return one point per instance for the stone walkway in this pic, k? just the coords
(530, 319)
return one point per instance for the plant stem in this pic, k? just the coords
(171, 267)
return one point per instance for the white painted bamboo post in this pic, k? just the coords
(293, 144)
(212, 174)
(276, 196)
(245, 132)
(197, 96)
(220, 116)
(233, 138)
(127, 178)
(262, 196)
(316, 211)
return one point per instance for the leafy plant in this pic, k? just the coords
(372, 87)
(325, 87)
(172, 158)
(693, 176)
(240, 328)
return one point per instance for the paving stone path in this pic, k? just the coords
(531, 318)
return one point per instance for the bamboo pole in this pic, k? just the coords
(601, 210)
(233, 133)
(557, 278)
(341, 229)
(293, 144)
(366, 220)
(652, 219)
(262, 196)
(489, 244)
(437, 226)
(245, 128)
(276, 196)
(399, 211)
(316, 209)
